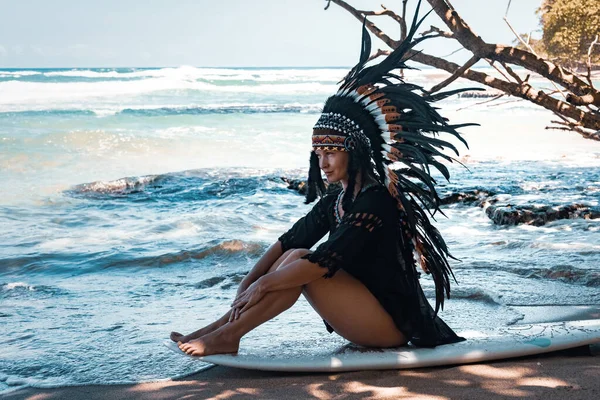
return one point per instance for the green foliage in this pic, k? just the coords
(569, 28)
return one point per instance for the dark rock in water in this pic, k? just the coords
(296, 184)
(505, 214)
(210, 282)
(538, 216)
(476, 197)
(301, 187)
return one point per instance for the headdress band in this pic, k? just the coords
(348, 133)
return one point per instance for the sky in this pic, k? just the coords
(219, 33)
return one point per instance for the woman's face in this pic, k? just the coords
(334, 164)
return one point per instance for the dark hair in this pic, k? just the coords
(315, 185)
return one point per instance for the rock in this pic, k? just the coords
(538, 216)
(295, 184)
(300, 185)
(476, 197)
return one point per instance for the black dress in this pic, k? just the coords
(366, 245)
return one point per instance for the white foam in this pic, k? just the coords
(14, 285)
(118, 185)
(215, 74)
(17, 74)
(21, 96)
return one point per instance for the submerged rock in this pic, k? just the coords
(300, 186)
(500, 214)
(476, 197)
(536, 215)
(296, 184)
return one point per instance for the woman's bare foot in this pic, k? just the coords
(212, 343)
(178, 337)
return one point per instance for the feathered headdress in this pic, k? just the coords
(376, 113)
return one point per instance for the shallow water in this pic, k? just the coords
(133, 202)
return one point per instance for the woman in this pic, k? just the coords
(363, 280)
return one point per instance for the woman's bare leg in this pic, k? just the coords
(352, 311)
(343, 301)
(226, 338)
(178, 337)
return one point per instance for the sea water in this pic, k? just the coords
(133, 201)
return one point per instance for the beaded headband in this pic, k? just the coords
(349, 133)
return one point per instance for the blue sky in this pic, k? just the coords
(128, 33)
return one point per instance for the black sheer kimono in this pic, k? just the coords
(366, 244)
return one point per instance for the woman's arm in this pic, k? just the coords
(263, 265)
(297, 273)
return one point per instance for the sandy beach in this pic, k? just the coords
(573, 374)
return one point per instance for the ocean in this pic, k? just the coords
(134, 200)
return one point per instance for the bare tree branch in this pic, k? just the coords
(440, 33)
(403, 32)
(512, 73)
(455, 75)
(498, 69)
(369, 25)
(379, 53)
(385, 11)
(589, 61)
(525, 91)
(454, 52)
(526, 44)
(463, 33)
(583, 100)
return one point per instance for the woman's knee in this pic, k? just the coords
(286, 254)
(299, 253)
(295, 254)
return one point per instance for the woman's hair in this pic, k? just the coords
(315, 184)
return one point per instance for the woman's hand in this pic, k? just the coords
(246, 299)
(235, 312)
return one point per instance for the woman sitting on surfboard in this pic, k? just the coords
(375, 137)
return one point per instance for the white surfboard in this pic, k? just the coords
(501, 343)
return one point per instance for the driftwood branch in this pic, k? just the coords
(526, 44)
(385, 11)
(512, 73)
(526, 91)
(581, 93)
(508, 54)
(438, 32)
(457, 74)
(403, 32)
(379, 53)
(498, 69)
(589, 60)
(368, 24)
